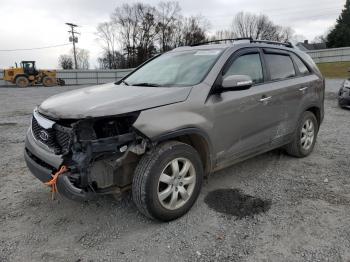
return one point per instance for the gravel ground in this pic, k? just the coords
(305, 217)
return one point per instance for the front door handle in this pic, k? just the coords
(265, 99)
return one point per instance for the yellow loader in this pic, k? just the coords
(27, 74)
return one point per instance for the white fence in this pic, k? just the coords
(330, 55)
(85, 77)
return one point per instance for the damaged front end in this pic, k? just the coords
(101, 153)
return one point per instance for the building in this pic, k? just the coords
(306, 46)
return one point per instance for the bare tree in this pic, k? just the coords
(118, 60)
(258, 27)
(168, 18)
(138, 30)
(65, 62)
(194, 30)
(222, 34)
(107, 34)
(148, 32)
(82, 58)
(143, 30)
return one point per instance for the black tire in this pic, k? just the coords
(48, 81)
(295, 148)
(147, 174)
(61, 82)
(22, 81)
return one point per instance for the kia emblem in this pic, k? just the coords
(43, 135)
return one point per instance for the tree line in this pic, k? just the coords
(137, 31)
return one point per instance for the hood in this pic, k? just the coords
(110, 99)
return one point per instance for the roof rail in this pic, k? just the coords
(223, 40)
(251, 40)
(286, 44)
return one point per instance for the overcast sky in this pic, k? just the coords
(34, 23)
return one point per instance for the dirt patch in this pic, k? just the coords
(234, 202)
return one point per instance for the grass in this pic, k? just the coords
(335, 70)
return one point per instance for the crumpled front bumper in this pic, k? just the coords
(42, 164)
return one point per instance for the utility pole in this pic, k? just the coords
(74, 40)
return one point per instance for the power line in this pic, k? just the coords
(33, 48)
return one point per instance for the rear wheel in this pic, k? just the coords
(48, 81)
(304, 137)
(167, 181)
(22, 81)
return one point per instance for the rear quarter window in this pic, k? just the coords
(301, 66)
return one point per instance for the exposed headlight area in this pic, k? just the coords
(109, 127)
(347, 84)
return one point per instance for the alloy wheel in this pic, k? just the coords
(176, 183)
(307, 135)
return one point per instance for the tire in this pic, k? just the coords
(148, 188)
(48, 81)
(299, 147)
(61, 82)
(22, 81)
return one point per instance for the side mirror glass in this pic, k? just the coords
(237, 82)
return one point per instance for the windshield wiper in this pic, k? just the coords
(124, 82)
(146, 84)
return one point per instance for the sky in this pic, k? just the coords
(34, 23)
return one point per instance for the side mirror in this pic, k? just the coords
(236, 82)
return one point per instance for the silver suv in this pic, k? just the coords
(176, 119)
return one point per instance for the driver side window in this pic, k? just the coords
(249, 64)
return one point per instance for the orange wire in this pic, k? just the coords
(53, 182)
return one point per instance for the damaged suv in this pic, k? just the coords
(174, 120)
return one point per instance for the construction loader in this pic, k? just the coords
(27, 74)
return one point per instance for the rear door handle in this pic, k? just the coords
(303, 89)
(265, 99)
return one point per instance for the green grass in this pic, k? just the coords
(335, 70)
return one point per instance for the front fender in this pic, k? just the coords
(173, 121)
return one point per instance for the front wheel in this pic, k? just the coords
(167, 181)
(22, 81)
(48, 81)
(305, 136)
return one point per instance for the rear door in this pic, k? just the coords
(284, 79)
(309, 88)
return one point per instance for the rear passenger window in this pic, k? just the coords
(280, 66)
(250, 65)
(301, 66)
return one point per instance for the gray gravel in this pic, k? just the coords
(308, 219)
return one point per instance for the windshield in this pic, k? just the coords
(185, 68)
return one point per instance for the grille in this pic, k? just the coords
(55, 139)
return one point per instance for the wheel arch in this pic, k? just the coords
(196, 138)
(317, 112)
(20, 75)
